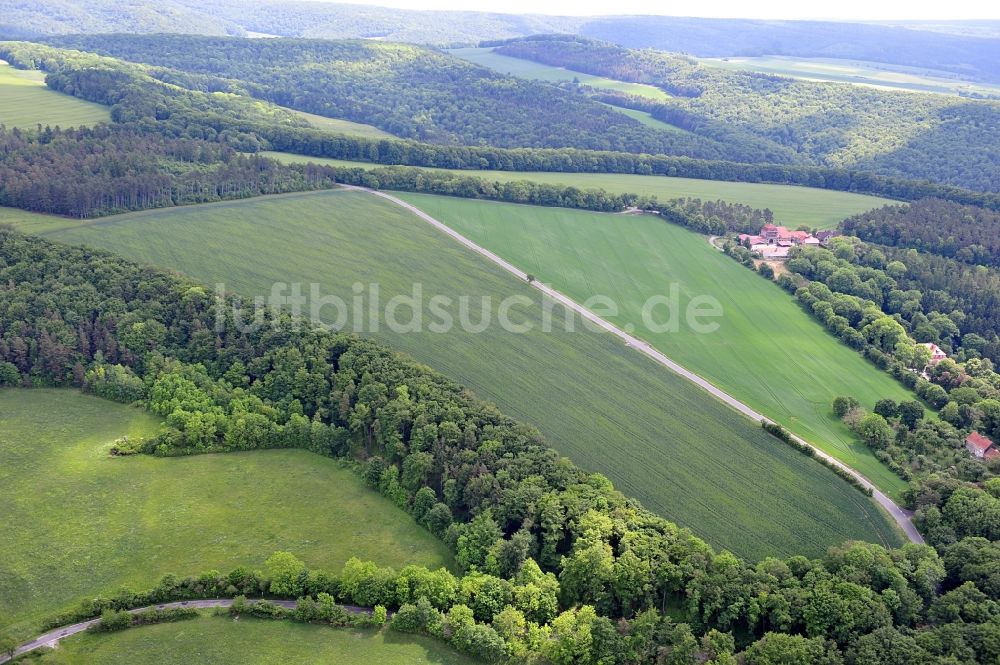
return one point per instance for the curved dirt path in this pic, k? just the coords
(901, 516)
(51, 638)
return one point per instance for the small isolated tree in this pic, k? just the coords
(530, 278)
(910, 413)
(114, 620)
(8, 645)
(843, 405)
(874, 431)
(285, 572)
(9, 376)
(887, 408)
(781, 649)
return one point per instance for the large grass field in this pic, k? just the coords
(77, 522)
(873, 74)
(222, 641)
(791, 205)
(25, 101)
(527, 69)
(610, 409)
(767, 352)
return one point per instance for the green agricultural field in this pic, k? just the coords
(77, 522)
(873, 74)
(647, 119)
(26, 102)
(767, 352)
(33, 222)
(527, 69)
(610, 409)
(791, 205)
(344, 126)
(222, 641)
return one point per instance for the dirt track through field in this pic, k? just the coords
(901, 516)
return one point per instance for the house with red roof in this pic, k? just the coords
(937, 355)
(772, 234)
(981, 447)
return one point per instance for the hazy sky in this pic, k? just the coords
(840, 9)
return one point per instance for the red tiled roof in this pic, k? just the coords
(978, 442)
(935, 349)
(991, 453)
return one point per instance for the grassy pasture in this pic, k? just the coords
(767, 352)
(610, 409)
(25, 101)
(873, 74)
(792, 206)
(342, 126)
(78, 522)
(527, 69)
(33, 222)
(249, 641)
(647, 119)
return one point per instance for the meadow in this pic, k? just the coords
(527, 69)
(767, 352)
(610, 409)
(647, 119)
(792, 206)
(221, 640)
(25, 102)
(874, 74)
(341, 126)
(78, 522)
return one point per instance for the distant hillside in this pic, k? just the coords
(963, 48)
(918, 136)
(414, 92)
(974, 57)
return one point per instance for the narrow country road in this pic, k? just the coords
(899, 514)
(51, 638)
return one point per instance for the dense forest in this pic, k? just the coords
(948, 285)
(950, 254)
(587, 559)
(967, 233)
(107, 170)
(906, 135)
(413, 92)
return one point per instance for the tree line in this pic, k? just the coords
(486, 484)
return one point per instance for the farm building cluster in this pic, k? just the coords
(774, 242)
(981, 447)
